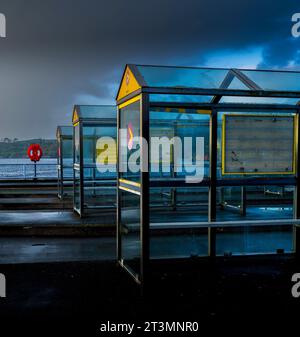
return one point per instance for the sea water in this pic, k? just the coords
(23, 168)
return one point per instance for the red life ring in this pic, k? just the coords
(35, 152)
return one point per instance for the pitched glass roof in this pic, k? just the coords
(157, 76)
(64, 131)
(82, 112)
(180, 98)
(219, 78)
(275, 80)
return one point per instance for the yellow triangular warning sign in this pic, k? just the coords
(75, 116)
(128, 85)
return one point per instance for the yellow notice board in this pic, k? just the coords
(258, 144)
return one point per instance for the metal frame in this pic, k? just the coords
(145, 200)
(212, 182)
(81, 123)
(60, 173)
(212, 198)
(60, 160)
(77, 167)
(137, 189)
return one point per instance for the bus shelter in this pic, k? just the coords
(94, 189)
(64, 136)
(226, 183)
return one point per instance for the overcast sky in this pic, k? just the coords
(64, 52)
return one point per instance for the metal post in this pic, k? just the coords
(297, 187)
(94, 163)
(118, 229)
(145, 191)
(297, 240)
(173, 172)
(61, 168)
(34, 177)
(243, 201)
(58, 168)
(212, 202)
(81, 170)
(74, 174)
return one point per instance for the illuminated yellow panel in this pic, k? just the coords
(75, 117)
(128, 85)
(130, 101)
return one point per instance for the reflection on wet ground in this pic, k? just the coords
(33, 250)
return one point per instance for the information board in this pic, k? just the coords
(258, 144)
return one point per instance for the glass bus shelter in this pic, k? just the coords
(64, 136)
(227, 182)
(94, 190)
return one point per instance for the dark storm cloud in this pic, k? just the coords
(58, 53)
(282, 53)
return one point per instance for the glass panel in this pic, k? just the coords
(180, 98)
(275, 80)
(255, 239)
(130, 142)
(97, 111)
(66, 131)
(177, 160)
(182, 77)
(254, 203)
(171, 212)
(99, 186)
(58, 152)
(259, 100)
(67, 152)
(157, 76)
(129, 203)
(179, 204)
(77, 144)
(237, 84)
(130, 230)
(59, 172)
(77, 190)
(179, 143)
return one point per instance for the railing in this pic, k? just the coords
(27, 171)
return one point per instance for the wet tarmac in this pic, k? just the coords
(47, 218)
(68, 218)
(228, 296)
(37, 250)
(189, 243)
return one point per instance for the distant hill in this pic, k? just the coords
(18, 148)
